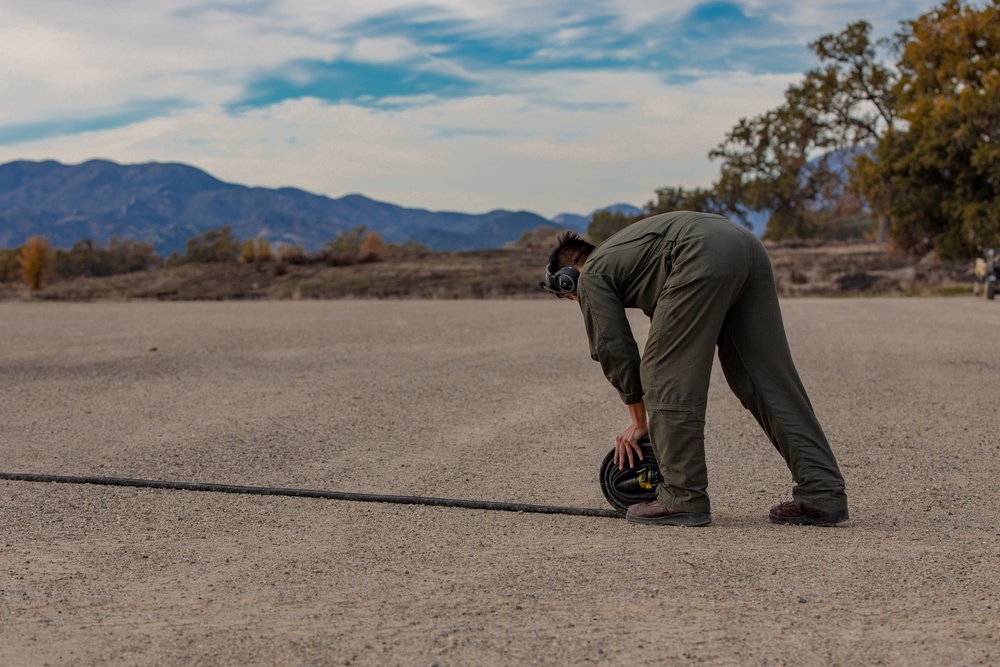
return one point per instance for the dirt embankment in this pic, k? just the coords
(801, 269)
(828, 269)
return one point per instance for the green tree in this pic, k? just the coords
(853, 88)
(212, 246)
(766, 166)
(129, 256)
(939, 171)
(668, 199)
(605, 223)
(853, 94)
(84, 258)
(347, 242)
(123, 255)
(346, 248)
(782, 162)
(10, 270)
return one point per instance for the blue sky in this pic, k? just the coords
(556, 106)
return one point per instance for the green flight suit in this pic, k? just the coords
(704, 282)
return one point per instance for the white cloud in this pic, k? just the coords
(551, 142)
(383, 50)
(573, 156)
(85, 57)
(812, 19)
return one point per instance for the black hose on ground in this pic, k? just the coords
(308, 493)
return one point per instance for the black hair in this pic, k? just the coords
(570, 250)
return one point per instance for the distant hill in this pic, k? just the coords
(166, 204)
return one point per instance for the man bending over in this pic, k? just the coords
(703, 282)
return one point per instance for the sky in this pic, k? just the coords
(549, 106)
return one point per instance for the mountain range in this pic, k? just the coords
(166, 204)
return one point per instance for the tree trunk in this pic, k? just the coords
(883, 229)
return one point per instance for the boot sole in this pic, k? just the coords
(829, 518)
(690, 519)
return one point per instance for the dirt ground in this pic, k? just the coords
(492, 400)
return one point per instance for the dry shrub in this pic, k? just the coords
(263, 253)
(35, 259)
(256, 251)
(247, 253)
(292, 254)
(340, 259)
(408, 250)
(372, 248)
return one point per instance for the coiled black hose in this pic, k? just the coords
(623, 488)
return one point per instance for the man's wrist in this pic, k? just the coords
(637, 411)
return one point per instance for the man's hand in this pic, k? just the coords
(627, 446)
(627, 442)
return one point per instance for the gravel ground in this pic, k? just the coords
(493, 400)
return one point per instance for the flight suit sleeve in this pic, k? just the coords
(610, 335)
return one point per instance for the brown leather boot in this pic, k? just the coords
(655, 513)
(791, 513)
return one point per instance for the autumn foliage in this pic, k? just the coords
(255, 251)
(372, 248)
(35, 260)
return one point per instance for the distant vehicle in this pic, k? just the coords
(988, 271)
